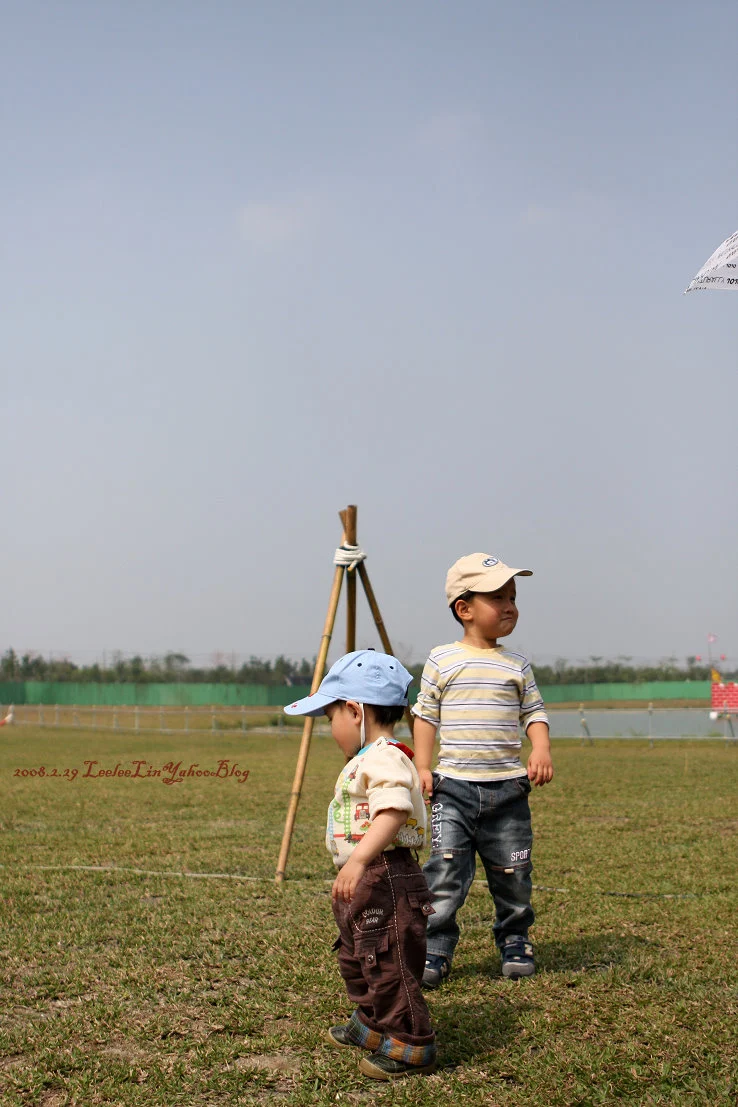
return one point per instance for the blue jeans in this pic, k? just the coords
(491, 818)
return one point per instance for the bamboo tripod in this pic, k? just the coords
(348, 519)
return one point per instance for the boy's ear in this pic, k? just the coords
(354, 710)
(462, 609)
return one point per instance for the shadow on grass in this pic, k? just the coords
(587, 953)
(590, 952)
(469, 1028)
(467, 1031)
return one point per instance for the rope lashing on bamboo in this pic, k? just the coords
(349, 556)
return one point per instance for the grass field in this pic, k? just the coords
(153, 719)
(156, 988)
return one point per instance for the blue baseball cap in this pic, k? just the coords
(364, 676)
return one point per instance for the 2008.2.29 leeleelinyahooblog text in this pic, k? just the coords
(171, 773)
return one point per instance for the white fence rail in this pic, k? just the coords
(160, 720)
(654, 724)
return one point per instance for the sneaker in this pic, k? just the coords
(517, 957)
(338, 1036)
(362, 1037)
(436, 970)
(380, 1067)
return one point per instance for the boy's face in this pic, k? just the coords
(345, 720)
(492, 615)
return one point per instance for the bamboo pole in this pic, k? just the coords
(381, 629)
(374, 608)
(307, 729)
(348, 518)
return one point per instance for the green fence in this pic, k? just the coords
(148, 695)
(13, 691)
(649, 690)
(262, 695)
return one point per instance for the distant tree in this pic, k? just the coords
(221, 674)
(175, 662)
(62, 669)
(285, 671)
(32, 667)
(137, 669)
(9, 665)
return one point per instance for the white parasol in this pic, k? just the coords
(720, 270)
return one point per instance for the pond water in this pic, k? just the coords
(630, 722)
(662, 722)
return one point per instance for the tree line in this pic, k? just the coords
(600, 670)
(177, 667)
(171, 668)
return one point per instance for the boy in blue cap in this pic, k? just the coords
(380, 897)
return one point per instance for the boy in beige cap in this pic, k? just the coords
(476, 694)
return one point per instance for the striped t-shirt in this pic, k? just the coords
(477, 698)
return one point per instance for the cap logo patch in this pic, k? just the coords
(490, 561)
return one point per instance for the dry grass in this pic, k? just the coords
(121, 988)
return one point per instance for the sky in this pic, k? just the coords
(262, 260)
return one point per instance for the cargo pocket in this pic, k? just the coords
(422, 901)
(418, 912)
(369, 949)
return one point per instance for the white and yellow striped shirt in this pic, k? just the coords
(477, 699)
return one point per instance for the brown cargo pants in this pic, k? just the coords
(381, 957)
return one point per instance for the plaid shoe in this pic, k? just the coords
(354, 1033)
(338, 1036)
(435, 972)
(517, 957)
(381, 1067)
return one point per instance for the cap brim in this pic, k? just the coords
(483, 585)
(310, 705)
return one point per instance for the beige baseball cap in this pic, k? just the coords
(479, 572)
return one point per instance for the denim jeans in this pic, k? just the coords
(491, 818)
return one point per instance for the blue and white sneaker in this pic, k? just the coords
(436, 970)
(517, 957)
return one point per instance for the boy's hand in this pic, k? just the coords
(540, 767)
(348, 877)
(383, 829)
(426, 781)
